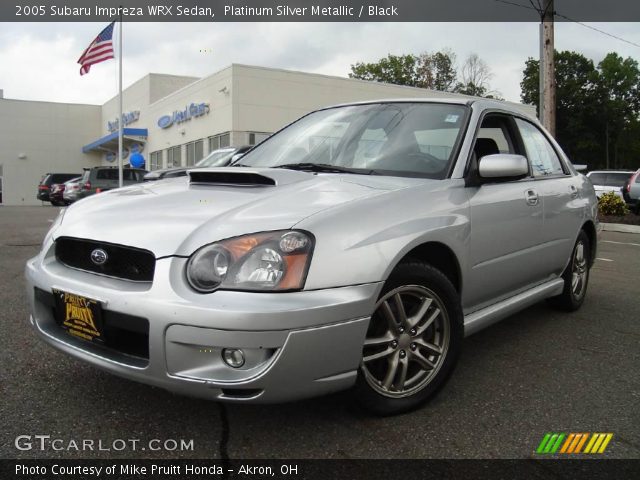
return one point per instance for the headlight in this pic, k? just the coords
(270, 261)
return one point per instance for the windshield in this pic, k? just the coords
(406, 139)
(217, 158)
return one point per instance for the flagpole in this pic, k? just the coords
(120, 122)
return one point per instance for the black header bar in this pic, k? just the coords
(314, 10)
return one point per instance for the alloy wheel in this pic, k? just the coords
(579, 271)
(407, 341)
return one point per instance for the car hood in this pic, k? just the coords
(175, 217)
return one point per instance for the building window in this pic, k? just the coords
(174, 157)
(219, 141)
(255, 137)
(155, 160)
(195, 152)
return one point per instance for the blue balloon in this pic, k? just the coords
(136, 160)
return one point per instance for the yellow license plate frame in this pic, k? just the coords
(79, 315)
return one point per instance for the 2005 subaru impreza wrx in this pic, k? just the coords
(354, 248)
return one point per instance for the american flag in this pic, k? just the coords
(101, 49)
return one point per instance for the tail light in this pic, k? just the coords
(43, 187)
(87, 186)
(632, 180)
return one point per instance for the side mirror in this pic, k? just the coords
(503, 165)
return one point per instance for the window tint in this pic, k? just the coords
(597, 178)
(104, 174)
(541, 155)
(129, 175)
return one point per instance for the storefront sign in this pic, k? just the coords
(127, 118)
(179, 116)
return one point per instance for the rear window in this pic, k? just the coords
(617, 179)
(61, 177)
(597, 178)
(112, 174)
(109, 174)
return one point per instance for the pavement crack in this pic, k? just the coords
(224, 438)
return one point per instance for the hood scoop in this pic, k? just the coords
(230, 176)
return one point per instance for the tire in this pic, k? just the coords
(57, 204)
(577, 270)
(407, 358)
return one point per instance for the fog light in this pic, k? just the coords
(234, 357)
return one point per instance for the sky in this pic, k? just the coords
(38, 61)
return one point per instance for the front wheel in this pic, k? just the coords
(413, 340)
(576, 276)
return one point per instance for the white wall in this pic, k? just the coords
(49, 135)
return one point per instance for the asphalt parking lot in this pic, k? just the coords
(537, 371)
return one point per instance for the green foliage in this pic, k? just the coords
(597, 108)
(435, 71)
(611, 204)
(400, 70)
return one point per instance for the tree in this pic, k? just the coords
(397, 69)
(576, 81)
(437, 71)
(475, 77)
(618, 89)
(596, 108)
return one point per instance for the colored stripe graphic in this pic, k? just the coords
(572, 443)
(550, 443)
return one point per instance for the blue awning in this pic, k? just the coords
(109, 143)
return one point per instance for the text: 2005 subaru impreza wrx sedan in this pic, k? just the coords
(354, 248)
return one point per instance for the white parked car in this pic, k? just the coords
(609, 181)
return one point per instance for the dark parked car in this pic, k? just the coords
(631, 192)
(48, 179)
(57, 191)
(101, 179)
(218, 158)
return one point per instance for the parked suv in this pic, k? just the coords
(631, 192)
(106, 178)
(605, 181)
(48, 179)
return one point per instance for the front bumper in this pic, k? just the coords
(297, 345)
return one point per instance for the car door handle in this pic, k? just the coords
(574, 191)
(531, 196)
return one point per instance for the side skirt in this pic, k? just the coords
(476, 321)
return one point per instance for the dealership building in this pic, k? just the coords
(171, 120)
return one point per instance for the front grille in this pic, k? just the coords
(121, 262)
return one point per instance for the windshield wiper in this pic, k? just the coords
(324, 168)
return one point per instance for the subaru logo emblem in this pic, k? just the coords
(99, 256)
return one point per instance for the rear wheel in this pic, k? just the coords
(413, 340)
(576, 276)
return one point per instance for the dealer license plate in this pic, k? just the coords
(79, 316)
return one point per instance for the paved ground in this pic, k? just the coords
(537, 371)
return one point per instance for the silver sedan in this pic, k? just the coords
(353, 249)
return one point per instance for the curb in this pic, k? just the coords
(620, 227)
